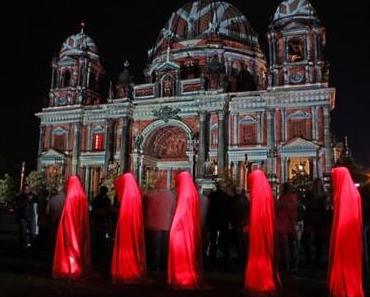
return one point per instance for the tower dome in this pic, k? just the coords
(78, 44)
(199, 19)
(297, 9)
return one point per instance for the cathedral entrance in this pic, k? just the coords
(165, 154)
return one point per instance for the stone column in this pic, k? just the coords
(125, 140)
(89, 138)
(40, 147)
(327, 142)
(87, 181)
(259, 128)
(314, 123)
(283, 172)
(238, 165)
(169, 176)
(140, 167)
(53, 72)
(270, 138)
(221, 142)
(202, 142)
(76, 148)
(235, 130)
(108, 143)
(314, 166)
(284, 134)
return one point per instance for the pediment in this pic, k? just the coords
(299, 144)
(167, 65)
(51, 153)
(66, 60)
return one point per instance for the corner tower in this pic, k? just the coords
(297, 46)
(76, 72)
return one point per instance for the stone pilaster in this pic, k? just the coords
(40, 147)
(259, 128)
(202, 142)
(76, 148)
(221, 141)
(327, 143)
(108, 143)
(125, 140)
(87, 181)
(315, 127)
(284, 130)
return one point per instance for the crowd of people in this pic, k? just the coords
(302, 225)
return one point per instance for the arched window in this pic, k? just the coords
(59, 142)
(296, 49)
(66, 78)
(214, 135)
(299, 125)
(168, 86)
(59, 139)
(93, 82)
(248, 134)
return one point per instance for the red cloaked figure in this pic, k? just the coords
(72, 258)
(184, 254)
(345, 268)
(261, 275)
(128, 261)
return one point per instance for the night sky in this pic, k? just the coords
(33, 33)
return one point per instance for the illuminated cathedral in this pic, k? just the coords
(211, 99)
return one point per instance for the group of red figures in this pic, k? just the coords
(72, 251)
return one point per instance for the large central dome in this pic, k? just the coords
(199, 19)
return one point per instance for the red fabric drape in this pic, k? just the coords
(345, 269)
(261, 275)
(72, 258)
(185, 241)
(128, 261)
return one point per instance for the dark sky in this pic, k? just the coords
(34, 32)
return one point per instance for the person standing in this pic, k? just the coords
(286, 221)
(239, 219)
(345, 263)
(54, 211)
(316, 221)
(72, 258)
(26, 218)
(218, 222)
(101, 219)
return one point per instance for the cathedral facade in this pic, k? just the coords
(213, 103)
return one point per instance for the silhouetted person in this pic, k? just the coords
(43, 220)
(218, 221)
(54, 212)
(315, 223)
(26, 218)
(101, 212)
(239, 218)
(286, 221)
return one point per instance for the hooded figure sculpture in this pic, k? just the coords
(128, 261)
(345, 267)
(261, 274)
(72, 258)
(184, 255)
